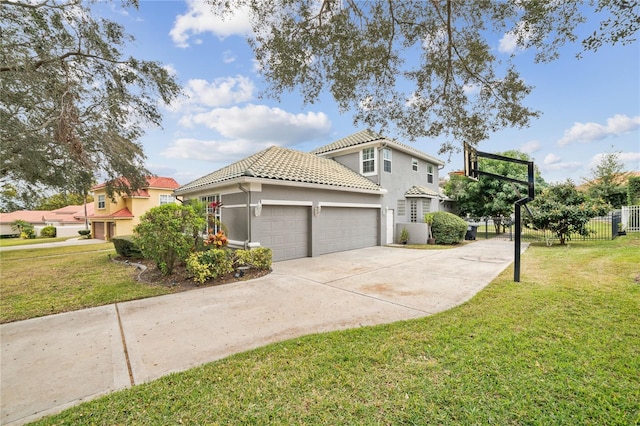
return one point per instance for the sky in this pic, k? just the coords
(589, 106)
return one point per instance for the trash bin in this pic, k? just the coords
(472, 231)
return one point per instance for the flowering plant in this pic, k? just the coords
(218, 240)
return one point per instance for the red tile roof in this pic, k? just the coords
(120, 214)
(152, 182)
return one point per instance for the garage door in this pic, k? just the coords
(346, 228)
(98, 230)
(285, 230)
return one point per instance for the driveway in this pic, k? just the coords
(55, 362)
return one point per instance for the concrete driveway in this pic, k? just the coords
(54, 362)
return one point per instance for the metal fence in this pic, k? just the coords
(630, 218)
(599, 229)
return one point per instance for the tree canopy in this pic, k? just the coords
(607, 180)
(428, 68)
(72, 107)
(564, 210)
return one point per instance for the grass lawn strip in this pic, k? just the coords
(42, 282)
(561, 347)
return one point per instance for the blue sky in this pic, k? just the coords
(589, 106)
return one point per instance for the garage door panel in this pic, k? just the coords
(347, 229)
(285, 230)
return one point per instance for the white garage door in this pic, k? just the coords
(285, 230)
(346, 228)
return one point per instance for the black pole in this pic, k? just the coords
(516, 262)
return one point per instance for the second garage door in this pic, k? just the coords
(346, 228)
(285, 230)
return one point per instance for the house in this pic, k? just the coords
(67, 220)
(356, 192)
(118, 216)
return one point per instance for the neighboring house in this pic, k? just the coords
(120, 215)
(354, 193)
(67, 220)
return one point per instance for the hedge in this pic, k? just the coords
(126, 247)
(447, 228)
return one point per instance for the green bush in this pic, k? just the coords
(447, 228)
(209, 264)
(86, 233)
(48, 232)
(126, 246)
(259, 258)
(166, 233)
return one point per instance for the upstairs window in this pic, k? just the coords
(429, 173)
(167, 199)
(386, 159)
(102, 203)
(414, 164)
(368, 162)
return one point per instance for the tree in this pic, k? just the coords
(606, 180)
(488, 196)
(633, 191)
(71, 103)
(165, 234)
(564, 210)
(62, 199)
(426, 67)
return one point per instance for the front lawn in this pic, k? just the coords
(561, 347)
(41, 281)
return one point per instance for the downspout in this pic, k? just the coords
(248, 240)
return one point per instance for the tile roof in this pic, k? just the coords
(31, 216)
(152, 182)
(420, 191)
(68, 214)
(366, 136)
(122, 213)
(282, 164)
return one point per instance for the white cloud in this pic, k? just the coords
(515, 40)
(221, 91)
(551, 159)
(508, 43)
(530, 147)
(587, 132)
(247, 130)
(228, 57)
(631, 160)
(200, 18)
(262, 123)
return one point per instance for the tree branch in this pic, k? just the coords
(62, 57)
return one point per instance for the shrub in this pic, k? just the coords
(448, 228)
(259, 258)
(165, 234)
(48, 232)
(86, 233)
(126, 246)
(209, 264)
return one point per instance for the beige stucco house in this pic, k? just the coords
(120, 215)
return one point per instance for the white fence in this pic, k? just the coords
(631, 218)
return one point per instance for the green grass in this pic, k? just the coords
(46, 281)
(560, 348)
(11, 242)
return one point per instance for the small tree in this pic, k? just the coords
(633, 191)
(563, 210)
(165, 234)
(23, 228)
(606, 182)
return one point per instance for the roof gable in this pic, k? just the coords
(368, 136)
(152, 182)
(282, 164)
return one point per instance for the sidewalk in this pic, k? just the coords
(54, 362)
(69, 242)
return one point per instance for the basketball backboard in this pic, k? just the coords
(470, 161)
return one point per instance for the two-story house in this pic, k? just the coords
(118, 216)
(352, 193)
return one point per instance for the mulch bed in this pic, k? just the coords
(180, 280)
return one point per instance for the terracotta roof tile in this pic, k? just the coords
(420, 191)
(152, 182)
(277, 163)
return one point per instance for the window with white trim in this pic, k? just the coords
(214, 214)
(102, 201)
(386, 160)
(413, 211)
(368, 163)
(414, 164)
(167, 199)
(401, 208)
(429, 173)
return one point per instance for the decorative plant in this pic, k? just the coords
(217, 240)
(404, 236)
(428, 219)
